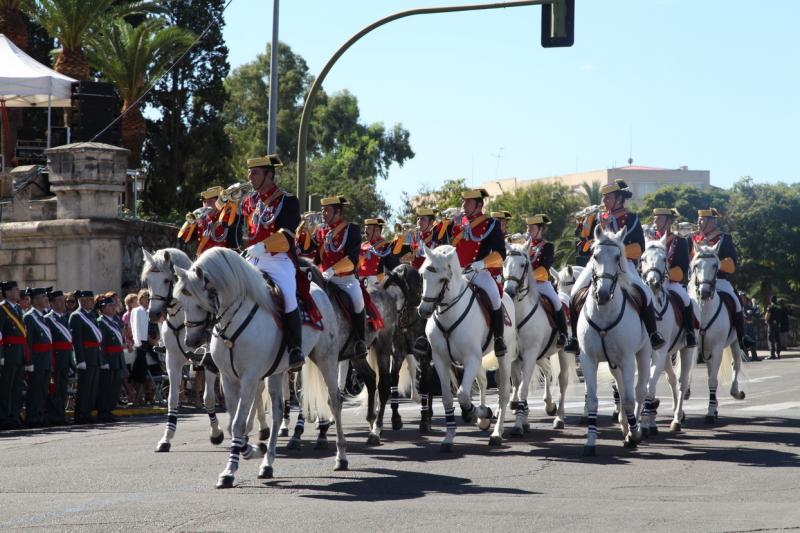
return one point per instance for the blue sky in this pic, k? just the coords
(711, 84)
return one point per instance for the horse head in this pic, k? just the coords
(516, 269)
(704, 269)
(608, 256)
(439, 271)
(654, 264)
(565, 278)
(198, 298)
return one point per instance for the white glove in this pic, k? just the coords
(29, 368)
(104, 367)
(256, 250)
(478, 265)
(2, 361)
(328, 274)
(81, 365)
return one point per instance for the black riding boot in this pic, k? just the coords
(745, 342)
(422, 349)
(561, 325)
(359, 334)
(293, 331)
(572, 342)
(649, 319)
(497, 330)
(688, 325)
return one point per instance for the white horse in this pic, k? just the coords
(610, 330)
(655, 272)
(717, 340)
(536, 341)
(459, 335)
(158, 276)
(224, 291)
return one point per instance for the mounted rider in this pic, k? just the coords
(615, 218)
(502, 218)
(203, 225)
(376, 256)
(272, 215)
(585, 221)
(479, 245)
(677, 266)
(541, 256)
(338, 244)
(430, 232)
(709, 234)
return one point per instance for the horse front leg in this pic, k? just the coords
(649, 409)
(713, 380)
(215, 435)
(275, 388)
(521, 425)
(516, 379)
(370, 382)
(261, 415)
(688, 357)
(503, 391)
(443, 371)
(626, 377)
(547, 381)
(589, 369)
(565, 369)
(329, 369)
(286, 392)
(385, 388)
(397, 364)
(672, 379)
(469, 413)
(642, 373)
(484, 413)
(738, 355)
(174, 368)
(238, 413)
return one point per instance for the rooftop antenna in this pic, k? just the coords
(498, 156)
(630, 146)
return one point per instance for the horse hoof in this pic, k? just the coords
(513, 405)
(373, 439)
(654, 431)
(516, 431)
(217, 439)
(262, 448)
(263, 434)
(341, 465)
(321, 445)
(687, 394)
(629, 443)
(656, 403)
(163, 446)
(293, 444)
(424, 426)
(265, 472)
(225, 482)
(710, 419)
(526, 427)
(446, 447)
(615, 416)
(484, 424)
(468, 418)
(489, 413)
(584, 420)
(590, 451)
(551, 410)
(558, 424)
(494, 440)
(284, 432)
(683, 417)
(739, 395)
(397, 423)
(675, 427)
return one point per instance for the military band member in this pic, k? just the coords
(86, 341)
(338, 245)
(429, 232)
(677, 265)
(14, 355)
(272, 215)
(496, 271)
(113, 360)
(40, 350)
(542, 252)
(375, 257)
(479, 245)
(58, 321)
(585, 222)
(615, 218)
(708, 234)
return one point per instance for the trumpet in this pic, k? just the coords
(592, 209)
(200, 212)
(238, 191)
(452, 213)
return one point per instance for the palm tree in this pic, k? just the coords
(71, 21)
(12, 23)
(131, 59)
(593, 192)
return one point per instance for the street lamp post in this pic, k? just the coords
(272, 131)
(557, 21)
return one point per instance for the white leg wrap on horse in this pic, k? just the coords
(545, 288)
(350, 285)
(483, 279)
(281, 269)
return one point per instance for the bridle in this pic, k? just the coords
(614, 278)
(407, 316)
(437, 301)
(661, 272)
(523, 286)
(712, 285)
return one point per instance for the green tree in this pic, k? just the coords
(687, 199)
(554, 199)
(592, 191)
(132, 58)
(12, 21)
(186, 149)
(445, 196)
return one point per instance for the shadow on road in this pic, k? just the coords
(387, 485)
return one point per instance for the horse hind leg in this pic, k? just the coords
(736, 362)
(394, 393)
(589, 367)
(216, 435)
(174, 368)
(329, 369)
(521, 425)
(274, 385)
(443, 371)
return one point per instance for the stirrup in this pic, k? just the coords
(571, 346)
(691, 340)
(296, 359)
(745, 343)
(656, 340)
(561, 339)
(359, 349)
(500, 348)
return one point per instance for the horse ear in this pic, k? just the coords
(166, 256)
(569, 269)
(696, 247)
(598, 232)
(426, 250)
(148, 257)
(198, 271)
(663, 240)
(554, 273)
(180, 272)
(621, 233)
(509, 248)
(717, 247)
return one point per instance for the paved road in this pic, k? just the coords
(741, 475)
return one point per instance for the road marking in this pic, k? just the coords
(762, 379)
(772, 407)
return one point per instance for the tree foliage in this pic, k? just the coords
(556, 200)
(687, 199)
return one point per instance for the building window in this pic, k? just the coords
(647, 187)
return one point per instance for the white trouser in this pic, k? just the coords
(676, 287)
(725, 286)
(281, 270)
(484, 280)
(586, 278)
(349, 284)
(545, 288)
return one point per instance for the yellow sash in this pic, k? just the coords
(15, 320)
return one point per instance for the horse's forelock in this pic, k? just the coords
(159, 262)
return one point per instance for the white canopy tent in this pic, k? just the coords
(24, 82)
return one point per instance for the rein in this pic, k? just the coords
(523, 285)
(604, 331)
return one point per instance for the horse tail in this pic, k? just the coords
(726, 366)
(490, 362)
(407, 380)
(363, 396)
(315, 393)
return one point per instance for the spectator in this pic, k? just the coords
(141, 342)
(131, 301)
(752, 314)
(71, 301)
(774, 317)
(25, 301)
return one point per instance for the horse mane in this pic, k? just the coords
(177, 257)
(230, 274)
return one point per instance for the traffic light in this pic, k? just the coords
(558, 23)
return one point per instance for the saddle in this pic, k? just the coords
(677, 306)
(309, 312)
(374, 319)
(485, 304)
(730, 305)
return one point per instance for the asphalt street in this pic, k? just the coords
(742, 474)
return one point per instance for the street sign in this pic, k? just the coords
(558, 24)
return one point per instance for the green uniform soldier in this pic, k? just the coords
(40, 350)
(86, 341)
(112, 363)
(58, 321)
(15, 348)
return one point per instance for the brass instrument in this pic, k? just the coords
(586, 211)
